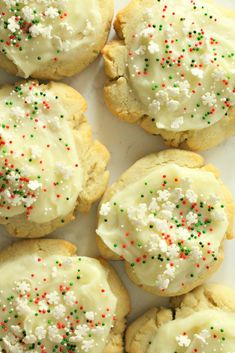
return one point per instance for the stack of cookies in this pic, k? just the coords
(170, 70)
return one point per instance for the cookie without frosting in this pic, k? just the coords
(49, 164)
(53, 300)
(173, 70)
(51, 39)
(167, 217)
(202, 321)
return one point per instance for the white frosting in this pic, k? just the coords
(181, 62)
(40, 171)
(55, 304)
(168, 225)
(37, 32)
(207, 331)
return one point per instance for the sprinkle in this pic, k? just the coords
(209, 99)
(177, 122)
(153, 47)
(105, 209)
(183, 340)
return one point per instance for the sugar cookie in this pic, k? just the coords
(173, 70)
(200, 321)
(53, 300)
(51, 39)
(167, 217)
(49, 165)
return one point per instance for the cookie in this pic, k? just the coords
(167, 217)
(50, 166)
(172, 71)
(200, 321)
(52, 39)
(53, 300)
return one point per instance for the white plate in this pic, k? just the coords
(128, 143)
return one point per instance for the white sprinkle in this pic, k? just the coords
(173, 105)
(40, 332)
(52, 12)
(209, 99)
(28, 13)
(177, 123)
(153, 206)
(36, 152)
(70, 298)
(30, 339)
(163, 195)
(192, 218)
(53, 298)
(34, 185)
(170, 271)
(153, 47)
(162, 283)
(12, 24)
(17, 330)
(59, 311)
(183, 340)
(105, 209)
(154, 107)
(22, 287)
(197, 72)
(90, 315)
(173, 91)
(191, 196)
(87, 345)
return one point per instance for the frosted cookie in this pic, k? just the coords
(51, 39)
(53, 300)
(167, 217)
(173, 70)
(49, 164)
(202, 321)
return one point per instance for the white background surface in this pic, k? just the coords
(128, 143)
